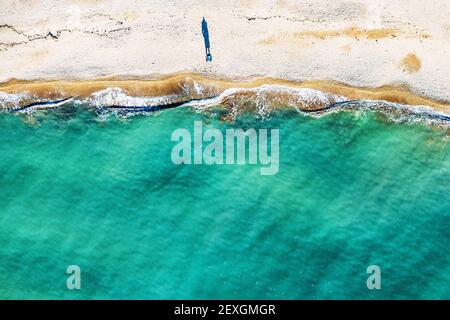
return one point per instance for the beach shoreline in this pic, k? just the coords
(197, 86)
(360, 44)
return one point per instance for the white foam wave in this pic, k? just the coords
(117, 97)
(263, 99)
(267, 96)
(12, 101)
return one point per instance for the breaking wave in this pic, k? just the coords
(261, 101)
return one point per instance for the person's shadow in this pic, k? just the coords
(206, 39)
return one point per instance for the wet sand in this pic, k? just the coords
(179, 84)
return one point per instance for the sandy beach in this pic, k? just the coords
(357, 48)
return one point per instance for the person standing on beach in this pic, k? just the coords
(206, 39)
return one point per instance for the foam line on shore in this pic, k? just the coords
(190, 86)
(43, 105)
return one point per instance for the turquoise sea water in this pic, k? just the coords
(354, 189)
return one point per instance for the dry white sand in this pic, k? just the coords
(360, 43)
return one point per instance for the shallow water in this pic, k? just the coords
(353, 189)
